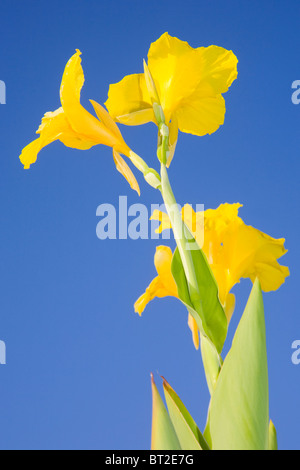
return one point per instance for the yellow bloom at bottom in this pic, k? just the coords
(233, 249)
(75, 127)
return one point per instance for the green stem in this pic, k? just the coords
(180, 233)
(212, 361)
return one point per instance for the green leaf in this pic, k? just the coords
(239, 408)
(206, 310)
(188, 433)
(273, 444)
(163, 433)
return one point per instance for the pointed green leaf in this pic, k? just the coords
(188, 433)
(207, 311)
(273, 444)
(163, 433)
(239, 409)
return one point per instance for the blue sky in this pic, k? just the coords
(78, 358)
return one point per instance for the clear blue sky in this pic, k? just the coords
(78, 358)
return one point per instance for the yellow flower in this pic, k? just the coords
(75, 127)
(234, 250)
(189, 84)
(163, 285)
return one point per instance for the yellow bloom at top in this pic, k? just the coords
(75, 127)
(189, 83)
(233, 249)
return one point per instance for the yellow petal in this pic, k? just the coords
(124, 169)
(163, 218)
(161, 286)
(54, 126)
(174, 68)
(107, 120)
(187, 82)
(81, 121)
(250, 253)
(233, 249)
(184, 76)
(218, 69)
(155, 289)
(271, 275)
(29, 153)
(137, 118)
(201, 115)
(203, 111)
(163, 260)
(217, 220)
(129, 101)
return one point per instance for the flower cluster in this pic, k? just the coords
(181, 88)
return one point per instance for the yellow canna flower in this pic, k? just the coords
(75, 127)
(188, 83)
(234, 250)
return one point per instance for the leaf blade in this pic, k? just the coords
(188, 433)
(273, 443)
(239, 408)
(163, 435)
(209, 313)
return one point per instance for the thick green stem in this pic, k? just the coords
(211, 359)
(180, 232)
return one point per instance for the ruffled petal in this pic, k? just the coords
(175, 69)
(218, 70)
(191, 78)
(201, 115)
(54, 126)
(189, 83)
(124, 169)
(271, 275)
(259, 259)
(129, 101)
